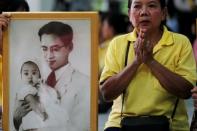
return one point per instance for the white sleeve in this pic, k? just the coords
(26, 90)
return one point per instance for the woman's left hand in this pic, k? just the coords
(147, 47)
(147, 52)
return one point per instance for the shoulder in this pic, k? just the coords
(121, 38)
(79, 75)
(177, 42)
(173, 37)
(119, 43)
(179, 37)
(181, 40)
(80, 82)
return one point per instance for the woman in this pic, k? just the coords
(160, 68)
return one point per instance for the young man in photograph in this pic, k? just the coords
(72, 87)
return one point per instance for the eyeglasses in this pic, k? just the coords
(55, 48)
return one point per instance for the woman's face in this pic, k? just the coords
(146, 14)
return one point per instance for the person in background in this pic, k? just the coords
(10, 6)
(186, 10)
(159, 68)
(172, 18)
(72, 5)
(110, 28)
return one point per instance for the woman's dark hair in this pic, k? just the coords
(162, 3)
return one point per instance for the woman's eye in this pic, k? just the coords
(153, 5)
(136, 6)
(26, 74)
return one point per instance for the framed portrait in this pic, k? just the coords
(50, 71)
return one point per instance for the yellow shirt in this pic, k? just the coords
(145, 95)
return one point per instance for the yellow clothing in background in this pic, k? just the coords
(102, 52)
(145, 95)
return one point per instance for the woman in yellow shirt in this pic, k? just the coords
(160, 68)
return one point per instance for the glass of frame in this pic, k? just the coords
(36, 44)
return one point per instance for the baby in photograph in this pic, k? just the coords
(46, 113)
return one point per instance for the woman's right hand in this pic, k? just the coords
(139, 46)
(4, 21)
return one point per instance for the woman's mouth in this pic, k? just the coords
(144, 22)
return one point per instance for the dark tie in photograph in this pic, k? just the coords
(51, 80)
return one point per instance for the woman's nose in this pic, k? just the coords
(144, 11)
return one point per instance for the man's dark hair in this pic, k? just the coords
(55, 28)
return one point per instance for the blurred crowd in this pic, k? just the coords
(181, 18)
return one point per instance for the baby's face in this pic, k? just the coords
(30, 74)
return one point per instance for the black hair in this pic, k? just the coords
(55, 28)
(118, 22)
(13, 5)
(30, 63)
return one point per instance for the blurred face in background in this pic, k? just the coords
(107, 30)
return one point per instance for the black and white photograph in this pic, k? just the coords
(49, 67)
